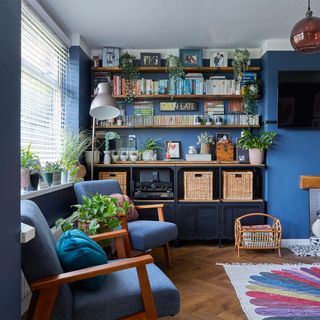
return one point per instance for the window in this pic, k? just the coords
(44, 87)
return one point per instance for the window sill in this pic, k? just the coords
(33, 194)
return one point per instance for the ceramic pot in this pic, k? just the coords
(256, 156)
(56, 179)
(25, 178)
(205, 148)
(48, 178)
(316, 226)
(115, 157)
(96, 157)
(106, 158)
(148, 155)
(64, 177)
(133, 157)
(34, 181)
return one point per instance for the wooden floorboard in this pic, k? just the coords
(205, 290)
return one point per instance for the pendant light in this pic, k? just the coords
(305, 35)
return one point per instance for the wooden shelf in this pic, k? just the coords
(183, 97)
(186, 69)
(251, 201)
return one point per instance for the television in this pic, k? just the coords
(299, 99)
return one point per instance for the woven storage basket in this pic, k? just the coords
(198, 185)
(120, 176)
(237, 185)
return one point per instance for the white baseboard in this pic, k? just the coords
(285, 243)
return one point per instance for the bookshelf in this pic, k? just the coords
(182, 97)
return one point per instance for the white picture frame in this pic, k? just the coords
(218, 58)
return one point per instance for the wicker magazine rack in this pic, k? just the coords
(258, 236)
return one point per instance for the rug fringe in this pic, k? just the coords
(266, 264)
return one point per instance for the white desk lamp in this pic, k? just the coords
(102, 108)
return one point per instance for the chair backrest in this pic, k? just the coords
(90, 188)
(39, 258)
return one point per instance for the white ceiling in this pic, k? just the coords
(165, 24)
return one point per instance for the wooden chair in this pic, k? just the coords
(134, 288)
(144, 234)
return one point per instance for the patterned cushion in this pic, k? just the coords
(132, 213)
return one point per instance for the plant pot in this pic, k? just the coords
(25, 178)
(96, 156)
(34, 181)
(205, 148)
(56, 179)
(48, 177)
(133, 157)
(64, 176)
(256, 156)
(148, 155)
(106, 158)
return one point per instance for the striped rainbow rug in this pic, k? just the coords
(277, 291)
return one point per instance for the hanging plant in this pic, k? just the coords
(129, 72)
(251, 92)
(174, 67)
(241, 61)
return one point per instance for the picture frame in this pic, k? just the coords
(173, 148)
(150, 59)
(242, 155)
(218, 59)
(110, 57)
(220, 136)
(191, 57)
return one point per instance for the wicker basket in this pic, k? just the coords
(198, 185)
(120, 176)
(237, 185)
(258, 236)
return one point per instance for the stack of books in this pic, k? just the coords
(220, 85)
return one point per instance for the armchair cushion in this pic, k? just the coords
(132, 212)
(77, 251)
(121, 296)
(146, 234)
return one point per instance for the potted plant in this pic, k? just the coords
(35, 169)
(256, 144)
(251, 94)
(175, 71)
(56, 177)
(47, 172)
(28, 159)
(109, 136)
(206, 141)
(96, 152)
(129, 71)
(241, 60)
(133, 155)
(149, 147)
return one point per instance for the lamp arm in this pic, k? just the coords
(93, 144)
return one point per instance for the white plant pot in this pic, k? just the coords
(106, 159)
(96, 157)
(256, 156)
(133, 157)
(148, 155)
(64, 177)
(316, 228)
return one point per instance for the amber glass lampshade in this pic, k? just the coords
(305, 35)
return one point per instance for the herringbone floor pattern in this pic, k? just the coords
(205, 290)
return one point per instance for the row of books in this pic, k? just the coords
(185, 120)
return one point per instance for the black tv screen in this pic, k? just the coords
(299, 99)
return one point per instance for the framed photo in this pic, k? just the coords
(110, 57)
(218, 59)
(191, 57)
(178, 106)
(150, 59)
(222, 137)
(242, 155)
(173, 148)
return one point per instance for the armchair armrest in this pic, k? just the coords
(159, 208)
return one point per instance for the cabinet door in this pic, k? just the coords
(198, 221)
(229, 212)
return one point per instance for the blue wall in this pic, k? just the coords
(10, 57)
(296, 153)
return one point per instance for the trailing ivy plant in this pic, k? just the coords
(251, 92)
(241, 60)
(129, 72)
(261, 141)
(174, 67)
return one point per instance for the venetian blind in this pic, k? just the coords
(44, 87)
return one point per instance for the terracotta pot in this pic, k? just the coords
(205, 148)
(25, 178)
(256, 156)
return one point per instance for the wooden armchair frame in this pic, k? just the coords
(49, 287)
(160, 212)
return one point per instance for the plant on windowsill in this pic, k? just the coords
(256, 144)
(149, 148)
(129, 72)
(57, 169)
(241, 61)
(29, 161)
(47, 172)
(206, 141)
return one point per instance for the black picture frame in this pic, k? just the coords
(150, 59)
(176, 152)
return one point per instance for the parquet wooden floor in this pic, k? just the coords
(205, 290)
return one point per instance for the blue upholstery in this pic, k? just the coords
(121, 296)
(146, 235)
(39, 258)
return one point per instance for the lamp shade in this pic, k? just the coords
(103, 105)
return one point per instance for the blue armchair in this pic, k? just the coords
(144, 234)
(134, 288)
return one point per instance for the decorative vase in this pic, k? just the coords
(25, 178)
(205, 148)
(256, 156)
(34, 181)
(316, 226)
(56, 179)
(106, 159)
(96, 157)
(48, 177)
(148, 155)
(64, 177)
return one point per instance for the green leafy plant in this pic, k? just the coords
(49, 167)
(96, 214)
(251, 94)
(241, 59)
(174, 67)
(205, 138)
(29, 159)
(110, 136)
(262, 141)
(130, 73)
(151, 144)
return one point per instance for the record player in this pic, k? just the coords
(154, 185)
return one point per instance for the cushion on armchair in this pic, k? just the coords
(132, 212)
(77, 251)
